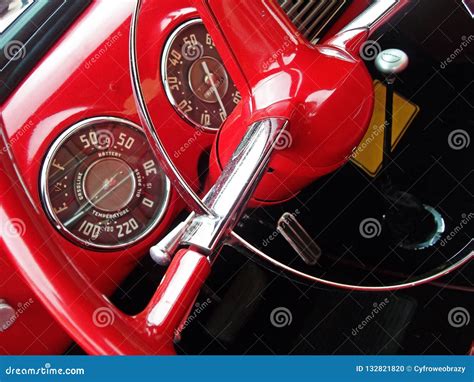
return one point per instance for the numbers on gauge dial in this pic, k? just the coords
(195, 78)
(104, 188)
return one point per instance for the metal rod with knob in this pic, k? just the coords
(413, 225)
(389, 63)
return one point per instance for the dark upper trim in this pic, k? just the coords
(31, 36)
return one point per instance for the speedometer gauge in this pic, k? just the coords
(101, 184)
(195, 79)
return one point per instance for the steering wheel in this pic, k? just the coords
(321, 95)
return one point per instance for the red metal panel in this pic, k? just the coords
(85, 75)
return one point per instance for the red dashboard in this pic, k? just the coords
(86, 75)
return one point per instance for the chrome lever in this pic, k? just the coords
(162, 252)
(299, 239)
(372, 15)
(228, 198)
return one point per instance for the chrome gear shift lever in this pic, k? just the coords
(389, 62)
(413, 225)
(228, 197)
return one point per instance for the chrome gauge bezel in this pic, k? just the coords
(164, 74)
(45, 197)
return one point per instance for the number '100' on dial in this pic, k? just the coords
(101, 184)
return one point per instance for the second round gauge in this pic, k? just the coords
(195, 79)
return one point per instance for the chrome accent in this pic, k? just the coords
(391, 61)
(311, 17)
(365, 20)
(45, 194)
(299, 239)
(469, 7)
(186, 192)
(161, 253)
(461, 258)
(229, 196)
(164, 74)
(222, 206)
(368, 18)
(435, 236)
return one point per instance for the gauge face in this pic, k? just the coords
(195, 79)
(101, 184)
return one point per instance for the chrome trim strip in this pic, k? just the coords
(469, 7)
(186, 192)
(463, 257)
(371, 15)
(46, 201)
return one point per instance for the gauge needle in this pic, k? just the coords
(214, 87)
(87, 207)
(107, 183)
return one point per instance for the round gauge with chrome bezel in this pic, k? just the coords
(195, 79)
(101, 184)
